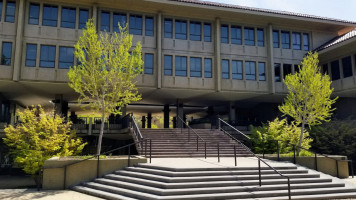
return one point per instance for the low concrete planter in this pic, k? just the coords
(54, 171)
(324, 164)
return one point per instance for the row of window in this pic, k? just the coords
(196, 32)
(300, 41)
(197, 66)
(10, 9)
(50, 15)
(287, 69)
(346, 64)
(233, 35)
(236, 69)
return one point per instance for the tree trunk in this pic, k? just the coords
(101, 133)
(301, 138)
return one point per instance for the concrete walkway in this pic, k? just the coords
(29, 194)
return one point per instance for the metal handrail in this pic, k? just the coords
(191, 129)
(220, 120)
(136, 130)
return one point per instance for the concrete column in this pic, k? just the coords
(95, 16)
(159, 50)
(12, 113)
(180, 114)
(149, 120)
(60, 106)
(143, 120)
(232, 113)
(166, 116)
(217, 59)
(270, 60)
(18, 43)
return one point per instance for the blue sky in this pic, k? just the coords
(339, 9)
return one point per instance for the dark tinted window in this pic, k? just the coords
(236, 35)
(224, 34)
(260, 38)
(168, 28)
(119, 18)
(66, 57)
(105, 21)
(325, 69)
(68, 17)
(195, 31)
(31, 54)
(10, 11)
(296, 68)
(181, 66)
(34, 14)
(236, 69)
(296, 41)
(335, 70)
(347, 66)
(83, 18)
(250, 69)
(50, 14)
(6, 53)
(249, 36)
(168, 65)
(48, 56)
(225, 69)
(306, 41)
(195, 67)
(262, 71)
(276, 39)
(149, 24)
(181, 29)
(277, 72)
(207, 32)
(208, 68)
(287, 69)
(135, 24)
(285, 40)
(148, 63)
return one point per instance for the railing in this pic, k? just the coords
(137, 133)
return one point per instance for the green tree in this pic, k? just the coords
(309, 99)
(38, 137)
(104, 77)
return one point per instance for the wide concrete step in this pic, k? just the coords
(182, 169)
(100, 193)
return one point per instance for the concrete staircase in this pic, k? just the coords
(176, 143)
(146, 181)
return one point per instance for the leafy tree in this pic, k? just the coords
(38, 137)
(104, 77)
(309, 98)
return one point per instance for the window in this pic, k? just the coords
(325, 69)
(207, 32)
(285, 40)
(287, 69)
(277, 72)
(306, 41)
(296, 41)
(275, 39)
(250, 69)
(225, 69)
(296, 68)
(224, 34)
(260, 38)
(31, 54)
(236, 66)
(105, 21)
(195, 31)
(6, 53)
(48, 56)
(83, 18)
(168, 65)
(335, 70)
(0, 9)
(118, 18)
(34, 14)
(236, 35)
(262, 71)
(168, 28)
(66, 57)
(347, 66)
(149, 24)
(135, 24)
(181, 29)
(249, 36)
(195, 67)
(10, 11)
(50, 14)
(181, 66)
(208, 68)
(68, 17)
(148, 63)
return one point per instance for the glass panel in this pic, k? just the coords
(83, 18)
(6, 53)
(149, 24)
(285, 40)
(347, 66)
(207, 32)
(236, 69)
(260, 38)
(335, 70)
(50, 14)
(250, 68)
(224, 34)
(277, 72)
(31, 54)
(276, 39)
(168, 65)
(181, 66)
(105, 21)
(48, 56)
(261, 71)
(68, 17)
(296, 41)
(181, 29)
(195, 67)
(296, 68)
(287, 69)
(236, 35)
(168, 28)
(148, 63)
(325, 69)
(249, 36)
(119, 18)
(195, 31)
(10, 11)
(66, 57)
(135, 24)
(306, 41)
(208, 68)
(225, 69)
(34, 14)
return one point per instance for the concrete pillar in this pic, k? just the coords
(95, 16)
(180, 113)
(149, 120)
(232, 113)
(143, 120)
(12, 113)
(270, 60)
(159, 50)
(166, 116)
(174, 121)
(217, 55)
(60, 106)
(18, 43)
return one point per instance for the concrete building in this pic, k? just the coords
(201, 58)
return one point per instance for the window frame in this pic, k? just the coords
(149, 67)
(48, 21)
(250, 71)
(285, 40)
(180, 30)
(236, 38)
(180, 66)
(12, 16)
(47, 60)
(27, 59)
(210, 60)
(63, 64)
(149, 30)
(260, 41)
(36, 18)
(207, 37)
(195, 31)
(276, 44)
(6, 60)
(260, 74)
(106, 24)
(237, 70)
(249, 36)
(168, 68)
(195, 67)
(225, 70)
(63, 15)
(297, 41)
(224, 38)
(168, 31)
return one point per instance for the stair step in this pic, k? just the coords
(100, 193)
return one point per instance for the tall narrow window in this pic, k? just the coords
(224, 34)
(236, 69)
(181, 66)
(236, 35)
(195, 31)
(306, 41)
(208, 68)
(207, 32)
(105, 21)
(181, 29)
(34, 14)
(325, 69)
(119, 18)
(285, 40)
(249, 36)
(48, 56)
(277, 72)
(31, 54)
(135, 24)
(287, 69)
(148, 63)
(83, 18)
(1, 8)
(6, 53)
(66, 57)
(225, 69)
(168, 63)
(347, 66)
(275, 39)
(296, 69)
(195, 67)
(296, 41)
(149, 24)
(50, 14)
(10, 11)
(335, 70)
(168, 28)
(250, 70)
(262, 71)
(68, 17)
(260, 38)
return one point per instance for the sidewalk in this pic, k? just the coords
(33, 194)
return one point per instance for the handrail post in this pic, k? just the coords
(219, 123)
(235, 154)
(141, 146)
(146, 148)
(316, 162)
(129, 155)
(289, 193)
(277, 150)
(97, 167)
(259, 172)
(294, 158)
(150, 150)
(197, 143)
(205, 149)
(263, 148)
(337, 168)
(218, 152)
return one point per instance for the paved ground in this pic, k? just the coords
(32, 194)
